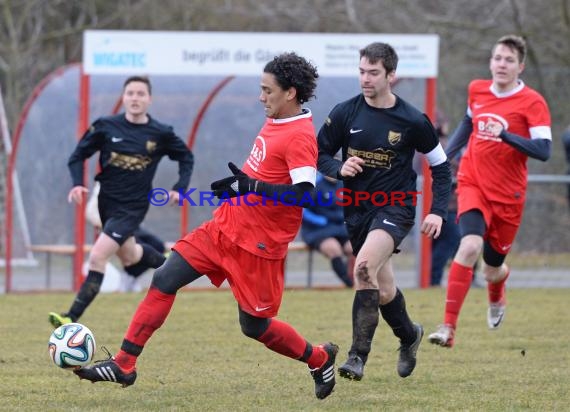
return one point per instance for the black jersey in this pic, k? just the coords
(385, 138)
(129, 156)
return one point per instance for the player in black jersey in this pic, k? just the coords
(378, 133)
(131, 145)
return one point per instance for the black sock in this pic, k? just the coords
(137, 269)
(151, 257)
(364, 321)
(89, 289)
(396, 316)
(339, 267)
(131, 348)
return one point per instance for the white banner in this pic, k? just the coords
(245, 54)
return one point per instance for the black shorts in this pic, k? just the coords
(121, 220)
(397, 221)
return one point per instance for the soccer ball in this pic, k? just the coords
(71, 345)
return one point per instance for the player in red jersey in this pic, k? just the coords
(506, 122)
(246, 241)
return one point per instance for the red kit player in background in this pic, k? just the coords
(246, 241)
(506, 123)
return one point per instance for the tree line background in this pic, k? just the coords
(38, 36)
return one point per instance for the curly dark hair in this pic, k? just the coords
(292, 70)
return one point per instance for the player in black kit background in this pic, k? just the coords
(131, 145)
(378, 133)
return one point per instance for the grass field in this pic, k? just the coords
(200, 361)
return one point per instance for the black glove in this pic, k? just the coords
(236, 185)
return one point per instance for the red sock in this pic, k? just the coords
(458, 283)
(318, 357)
(149, 316)
(126, 361)
(496, 291)
(282, 338)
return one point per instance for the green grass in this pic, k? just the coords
(200, 361)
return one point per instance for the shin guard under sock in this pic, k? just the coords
(458, 284)
(149, 316)
(365, 319)
(396, 316)
(88, 291)
(282, 338)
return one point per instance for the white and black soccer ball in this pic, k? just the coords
(71, 345)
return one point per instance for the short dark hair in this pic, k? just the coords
(142, 79)
(291, 70)
(513, 42)
(377, 51)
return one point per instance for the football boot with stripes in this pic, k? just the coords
(324, 376)
(108, 371)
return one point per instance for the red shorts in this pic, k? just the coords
(502, 220)
(257, 283)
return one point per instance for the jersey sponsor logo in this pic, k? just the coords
(394, 137)
(378, 158)
(353, 131)
(150, 146)
(127, 162)
(387, 222)
(258, 153)
(488, 124)
(116, 139)
(258, 309)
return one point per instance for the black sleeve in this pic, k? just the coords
(535, 148)
(179, 152)
(441, 188)
(330, 140)
(301, 194)
(459, 137)
(90, 142)
(426, 136)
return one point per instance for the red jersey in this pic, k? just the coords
(489, 163)
(284, 152)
